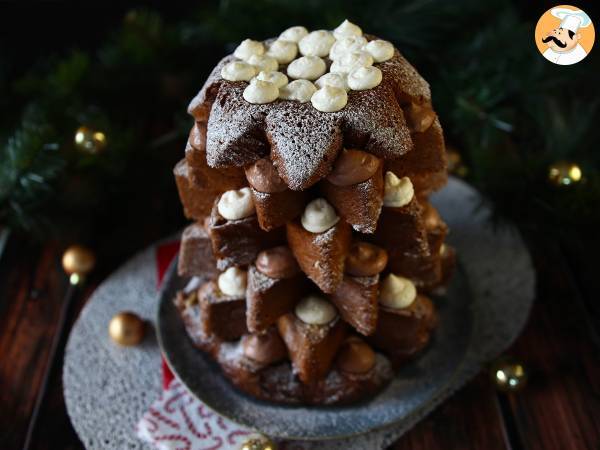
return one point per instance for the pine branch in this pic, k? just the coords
(31, 165)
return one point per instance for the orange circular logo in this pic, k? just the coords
(564, 35)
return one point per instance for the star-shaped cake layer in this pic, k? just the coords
(302, 141)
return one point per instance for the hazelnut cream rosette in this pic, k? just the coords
(223, 305)
(406, 319)
(358, 363)
(313, 333)
(355, 188)
(356, 298)
(275, 284)
(245, 361)
(266, 348)
(234, 232)
(320, 242)
(195, 152)
(355, 357)
(197, 140)
(274, 202)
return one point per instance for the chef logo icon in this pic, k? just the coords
(564, 35)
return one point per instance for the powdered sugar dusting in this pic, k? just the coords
(304, 145)
(325, 238)
(316, 333)
(302, 141)
(258, 281)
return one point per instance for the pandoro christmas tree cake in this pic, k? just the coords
(314, 246)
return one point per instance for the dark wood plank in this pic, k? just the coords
(471, 419)
(53, 414)
(31, 291)
(560, 407)
(581, 256)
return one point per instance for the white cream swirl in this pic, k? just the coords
(316, 43)
(329, 99)
(233, 282)
(345, 45)
(347, 28)
(351, 61)
(236, 204)
(397, 192)
(283, 51)
(318, 216)
(263, 62)
(277, 78)
(314, 310)
(397, 292)
(306, 67)
(260, 92)
(247, 48)
(364, 78)
(333, 79)
(238, 71)
(294, 34)
(380, 50)
(298, 90)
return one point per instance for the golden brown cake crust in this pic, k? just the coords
(301, 141)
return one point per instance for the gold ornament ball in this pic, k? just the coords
(564, 173)
(509, 375)
(258, 444)
(89, 140)
(126, 328)
(455, 164)
(79, 260)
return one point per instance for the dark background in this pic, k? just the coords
(560, 408)
(31, 29)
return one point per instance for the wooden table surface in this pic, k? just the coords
(558, 409)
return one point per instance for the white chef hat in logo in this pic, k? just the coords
(571, 19)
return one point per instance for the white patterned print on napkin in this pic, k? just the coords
(176, 420)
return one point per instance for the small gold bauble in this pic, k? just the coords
(261, 443)
(126, 328)
(79, 260)
(509, 375)
(564, 173)
(90, 141)
(455, 164)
